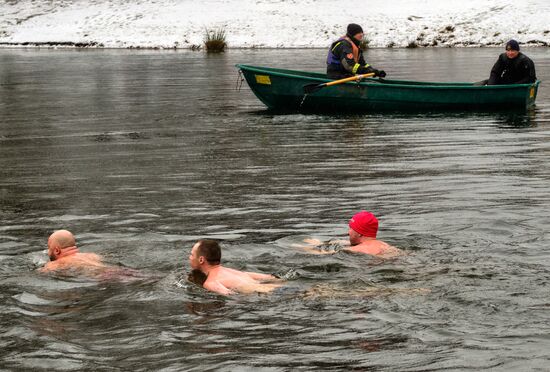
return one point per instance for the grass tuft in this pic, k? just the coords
(214, 40)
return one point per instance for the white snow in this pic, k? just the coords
(273, 23)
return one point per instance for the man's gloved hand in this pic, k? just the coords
(381, 73)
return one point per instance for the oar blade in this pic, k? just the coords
(312, 88)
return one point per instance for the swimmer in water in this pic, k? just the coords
(206, 257)
(66, 257)
(363, 228)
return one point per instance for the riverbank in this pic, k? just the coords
(271, 23)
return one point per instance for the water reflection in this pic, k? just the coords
(526, 119)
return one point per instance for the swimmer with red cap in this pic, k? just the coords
(363, 228)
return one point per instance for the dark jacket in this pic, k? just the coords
(341, 62)
(520, 70)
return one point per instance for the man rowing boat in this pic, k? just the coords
(345, 57)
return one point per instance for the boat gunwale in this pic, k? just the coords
(398, 84)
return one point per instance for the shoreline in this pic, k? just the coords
(95, 46)
(266, 24)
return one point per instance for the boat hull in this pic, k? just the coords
(283, 90)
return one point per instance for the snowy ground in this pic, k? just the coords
(272, 23)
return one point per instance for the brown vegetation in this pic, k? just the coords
(214, 40)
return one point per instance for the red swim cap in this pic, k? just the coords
(365, 224)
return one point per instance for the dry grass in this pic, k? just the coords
(214, 40)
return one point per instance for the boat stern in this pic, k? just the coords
(532, 93)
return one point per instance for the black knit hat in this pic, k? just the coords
(512, 45)
(354, 29)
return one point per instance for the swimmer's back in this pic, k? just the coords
(76, 261)
(376, 248)
(225, 280)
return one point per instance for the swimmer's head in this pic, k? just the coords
(205, 252)
(58, 241)
(362, 224)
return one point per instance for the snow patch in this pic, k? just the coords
(272, 23)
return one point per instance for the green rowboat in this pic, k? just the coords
(283, 90)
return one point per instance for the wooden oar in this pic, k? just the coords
(312, 88)
(480, 83)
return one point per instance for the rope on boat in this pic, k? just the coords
(240, 79)
(303, 100)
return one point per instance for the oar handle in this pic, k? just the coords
(312, 88)
(352, 78)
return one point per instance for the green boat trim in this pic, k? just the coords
(283, 89)
(322, 78)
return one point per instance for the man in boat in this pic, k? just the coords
(363, 228)
(512, 67)
(65, 257)
(345, 57)
(206, 257)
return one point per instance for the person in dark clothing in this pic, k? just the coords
(345, 57)
(512, 67)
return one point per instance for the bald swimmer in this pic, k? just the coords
(64, 254)
(363, 228)
(66, 257)
(206, 257)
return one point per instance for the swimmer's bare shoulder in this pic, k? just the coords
(48, 267)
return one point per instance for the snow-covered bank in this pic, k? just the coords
(272, 23)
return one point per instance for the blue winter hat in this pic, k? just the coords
(512, 45)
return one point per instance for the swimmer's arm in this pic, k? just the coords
(312, 246)
(48, 267)
(218, 288)
(257, 287)
(340, 242)
(262, 277)
(266, 288)
(315, 250)
(350, 249)
(316, 242)
(309, 243)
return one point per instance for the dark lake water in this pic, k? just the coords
(140, 153)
